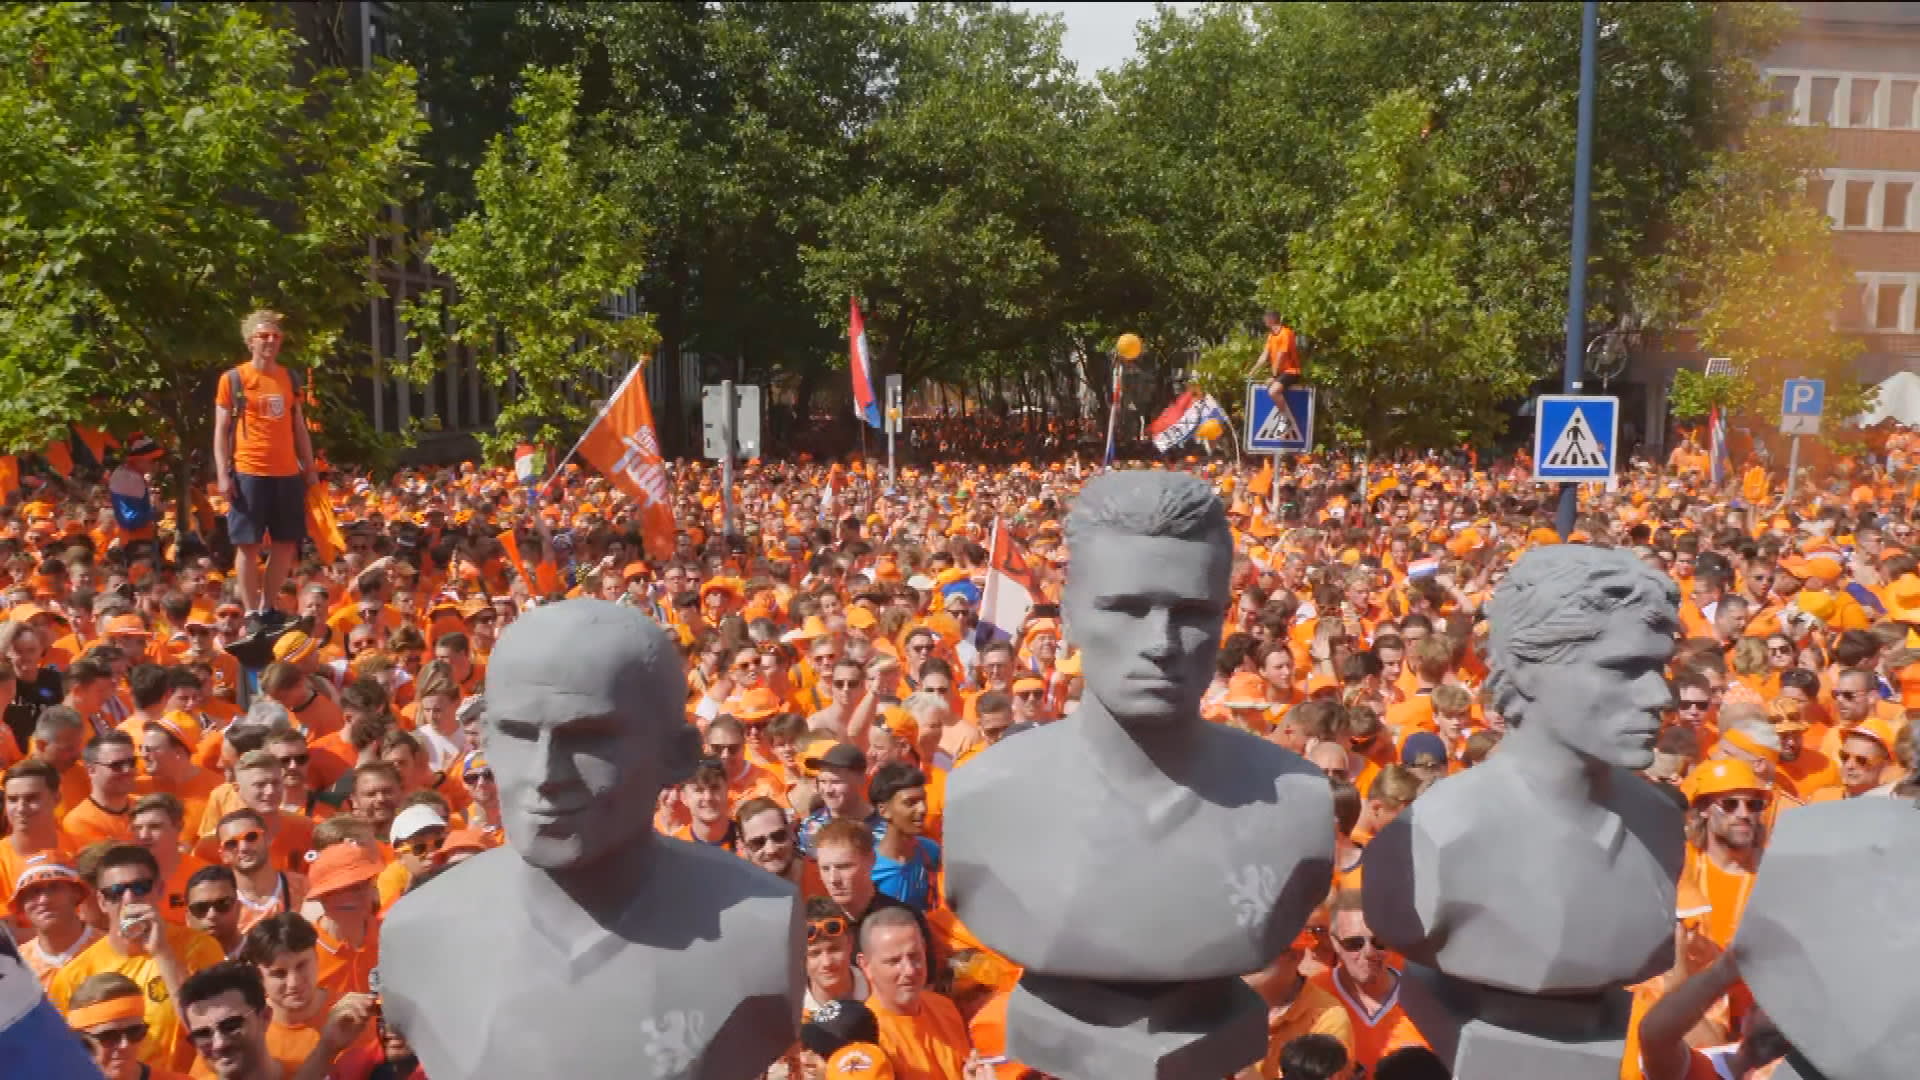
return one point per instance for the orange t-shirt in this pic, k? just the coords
(932, 1044)
(1726, 890)
(90, 823)
(344, 969)
(263, 442)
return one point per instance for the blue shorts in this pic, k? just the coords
(268, 509)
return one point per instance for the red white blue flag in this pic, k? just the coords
(860, 362)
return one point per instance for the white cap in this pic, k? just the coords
(415, 818)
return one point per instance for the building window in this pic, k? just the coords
(1818, 193)
(1900, 104)
(1853, 314)
(1783, 90)
(1820, 107)
(1860, 102)
(1859, 196)
(1893, 215)
(1886, 307)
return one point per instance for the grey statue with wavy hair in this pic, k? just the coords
(1527, 892)
(1558, 599)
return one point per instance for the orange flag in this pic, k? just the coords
(1262, 482)
(97, 442)
(328, 541)
(59, 454)
(624, 446)
(9, 476)
(510, 540)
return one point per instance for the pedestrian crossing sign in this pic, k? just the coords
(1575, 437)
(1279, 427)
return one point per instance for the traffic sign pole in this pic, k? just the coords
(726, 457)
(1577, 282)
(1802, 402)
(1793, 464)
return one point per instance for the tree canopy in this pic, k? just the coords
(1395, 179)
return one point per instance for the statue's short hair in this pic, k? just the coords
(1556, 600)
(1148, 503)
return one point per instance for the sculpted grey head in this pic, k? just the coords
(1146, 592)
(1580, 639)
(584, 727)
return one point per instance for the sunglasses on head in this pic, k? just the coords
(1356, 943)
(117, 892)
(112, 1038)
(1732, 804)
(777, 836)
(200, 909)
(232, 843)
(832, 926)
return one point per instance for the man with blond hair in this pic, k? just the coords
(263, 464)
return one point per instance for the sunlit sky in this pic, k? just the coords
(1100, 35)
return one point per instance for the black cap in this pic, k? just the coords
(839, 756)
(837, 1024)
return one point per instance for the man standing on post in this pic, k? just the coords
(263, 458)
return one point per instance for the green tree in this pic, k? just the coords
(163, 170)
(962, 237)
(1406, 350)
(532, 270)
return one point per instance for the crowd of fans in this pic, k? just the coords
(197, 855)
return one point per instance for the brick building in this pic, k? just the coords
(1855, 68)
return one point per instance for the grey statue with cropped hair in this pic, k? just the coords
(1528, 891)
(1133, 858)
(590, 945)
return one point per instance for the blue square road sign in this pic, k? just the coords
(1576, 438)
(1286, 429)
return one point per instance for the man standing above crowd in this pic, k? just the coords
(263, 462)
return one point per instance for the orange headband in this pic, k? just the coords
(125, 1007)
(1747, 742)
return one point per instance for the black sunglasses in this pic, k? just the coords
(200, 909)
(121, 890)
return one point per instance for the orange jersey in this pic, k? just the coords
(263, 440)
(90, 823)
(1377, 1034)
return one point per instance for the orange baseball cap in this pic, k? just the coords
(460, 840)
(127, 626)
(754, 705)
(1873, 728)
(341, 866)
(182, 726)
(636, 570)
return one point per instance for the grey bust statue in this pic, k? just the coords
(1528, 891)
(1134, 858)
(590, 946)
(1827, 944)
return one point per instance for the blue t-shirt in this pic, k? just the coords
(910, 882)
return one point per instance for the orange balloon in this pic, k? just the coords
(1128, 346)
(1210, 429)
